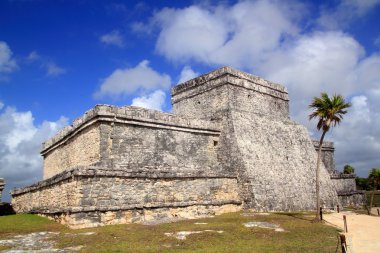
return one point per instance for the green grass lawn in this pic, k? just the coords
(301, 235)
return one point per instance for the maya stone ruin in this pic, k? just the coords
(228, 145)
(2, 185)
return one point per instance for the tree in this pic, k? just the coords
(329, 112)
(348, 169)
(374, 178)
(361, 183)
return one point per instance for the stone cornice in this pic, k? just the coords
(144, 173)
(350, 193)
(326, 145)
(132, 116)
(153, 205)
(227, 75)
(340, 175)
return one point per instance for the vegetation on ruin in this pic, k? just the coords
(348, 169)
(329, 112)
(371, 184)
(300, 235)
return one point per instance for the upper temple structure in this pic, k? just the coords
(228, 145)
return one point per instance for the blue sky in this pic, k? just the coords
(60, 58)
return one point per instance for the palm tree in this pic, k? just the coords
(374, 177)
(329, 112)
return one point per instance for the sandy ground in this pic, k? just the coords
(363, 231)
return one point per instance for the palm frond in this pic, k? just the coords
(328, 110)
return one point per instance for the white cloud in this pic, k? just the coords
(20, 144)
(187, 73)
(129, 80)
(322, 61)
(190, 33)
(7, 63)
(237, 35)
(346, 12)
(33, 56)
(113, 38)
(333, 62)
(53, 69)
(357, 138)
(154, 100)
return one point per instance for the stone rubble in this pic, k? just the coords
(39, 242)
(263, 224)
(183, 234)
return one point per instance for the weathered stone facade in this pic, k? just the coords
(344, 183)
(228, 145)
(2, 185)
(328, 157)
(346, 188)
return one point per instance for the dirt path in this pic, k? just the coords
(363, 231)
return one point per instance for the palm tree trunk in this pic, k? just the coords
(317, 217)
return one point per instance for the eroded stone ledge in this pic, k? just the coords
(350, 193)
(326, 145)
(340, 175)
(135, 206)
(228, 78)
(144, 215)
(148, 173)
(227, 71)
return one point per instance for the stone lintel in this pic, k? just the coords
(80, 209)
(133, 116)
(326, 145)
(227, 75)
(350, 193)
(143, 173)
(341, 175)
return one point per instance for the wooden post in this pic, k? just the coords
(337, 208)
(345, 224)
(368, 209)
(320, 213)
(343, 243)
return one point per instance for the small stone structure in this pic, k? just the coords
(2, 185)
(228, 145)
(345, 184)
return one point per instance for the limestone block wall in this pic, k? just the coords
(132, 137)
(81, 150)
(348, 194)
(84, 197)
(51, 198)
(208, 105)
(327, 155)
(154, 193)
(134, 147)
(344, 183)
(353, 199)
(208, 96)
(280, 161)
